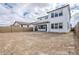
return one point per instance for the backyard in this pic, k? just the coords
(36, 43)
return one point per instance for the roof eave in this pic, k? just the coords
(58, 8)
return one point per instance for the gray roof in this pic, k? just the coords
(42, 17)
(22, 23)
(42, 22)
(58, 8)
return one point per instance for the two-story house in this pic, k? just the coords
(57, 20)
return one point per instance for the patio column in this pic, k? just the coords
(33, 27)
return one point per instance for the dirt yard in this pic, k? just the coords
(36, 43)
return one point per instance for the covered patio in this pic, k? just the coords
(40, 26)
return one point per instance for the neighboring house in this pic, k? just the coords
(57, 20)
(16, 24)
(21, 24)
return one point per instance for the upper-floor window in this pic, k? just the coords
(56, 14)
(60, 14)
(52, 15)
(40, 18)
(46, 17)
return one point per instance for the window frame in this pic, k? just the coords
(52, 15)
(56, 26)
(42, 26)
(40, 18)
(46, 17)
(61, 13)
(60, 25)
(52, 26)
(56, 14)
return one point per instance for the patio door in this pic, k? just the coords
(42, 27)
(45, 27)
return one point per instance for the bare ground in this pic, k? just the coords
(23, 43)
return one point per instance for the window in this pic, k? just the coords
(40, 18)
(52, 26)
(60, 14)
(60, 25)
(39, 27)
(42, 26)
(56, 25)
(56, 15)
(52, 15)
(46, 17)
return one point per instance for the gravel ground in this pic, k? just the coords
(36, 43)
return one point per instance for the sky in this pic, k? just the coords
(28, 12)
